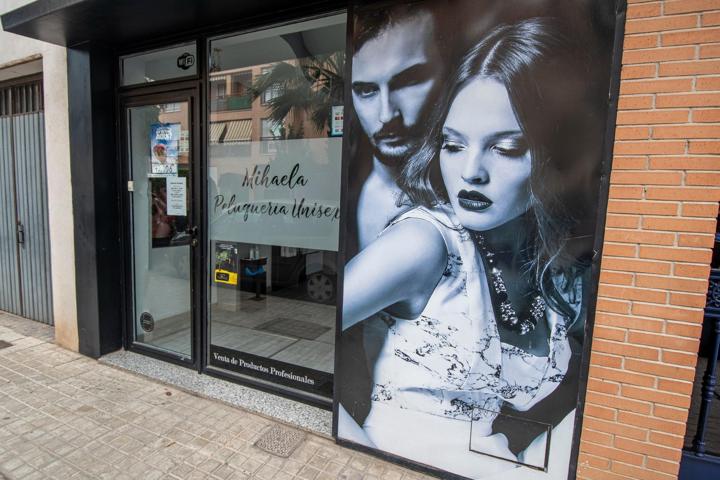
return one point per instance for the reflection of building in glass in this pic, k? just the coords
(177, 113)
(241, 112)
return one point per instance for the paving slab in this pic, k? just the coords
(66, 416)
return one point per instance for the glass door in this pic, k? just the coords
(162, 224)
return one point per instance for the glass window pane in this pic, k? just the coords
(270, 129)
(164, 64)
(274, 201)
(159, 156)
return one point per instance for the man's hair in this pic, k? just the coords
(372, 22)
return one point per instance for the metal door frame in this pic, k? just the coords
(149, 95)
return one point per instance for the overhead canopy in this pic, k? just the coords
(217, 129)
(231, 131)
(121, 22)
(238, 131)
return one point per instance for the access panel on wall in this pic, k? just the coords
(477, 132)
(274, 155)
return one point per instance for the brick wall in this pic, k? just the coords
(665, 187)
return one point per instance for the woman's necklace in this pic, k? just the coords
(508, 315)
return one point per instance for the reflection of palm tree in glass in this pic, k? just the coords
(313, 85)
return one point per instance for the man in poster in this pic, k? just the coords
(396, 70)
(396, 73)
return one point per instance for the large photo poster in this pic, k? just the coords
(476, 135)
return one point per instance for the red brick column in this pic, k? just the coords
(665, 187)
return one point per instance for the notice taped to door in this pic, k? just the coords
(176, 189)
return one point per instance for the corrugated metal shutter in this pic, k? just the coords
(9, 265)
(24, 232)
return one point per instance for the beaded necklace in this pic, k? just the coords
(504, 309)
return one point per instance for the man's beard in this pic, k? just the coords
(393, 156)
(394, 143)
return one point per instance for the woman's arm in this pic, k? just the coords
(401, 267)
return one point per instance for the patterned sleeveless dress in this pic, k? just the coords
(450, 361)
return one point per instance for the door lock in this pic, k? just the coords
(20, 233)
(193, 232)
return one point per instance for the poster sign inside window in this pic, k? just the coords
(336, 121)
(164, 147)
(474, 178)
(226, 263)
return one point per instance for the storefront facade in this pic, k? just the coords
(269, 196)
(232, 211)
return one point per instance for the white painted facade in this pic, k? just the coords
(20, 56)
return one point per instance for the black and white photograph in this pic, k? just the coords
(360, 239)
(473, 189)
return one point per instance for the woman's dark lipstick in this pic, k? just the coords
(473, 200)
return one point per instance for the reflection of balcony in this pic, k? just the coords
(269, 145)
(231, 103)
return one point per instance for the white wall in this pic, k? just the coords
(15, 52)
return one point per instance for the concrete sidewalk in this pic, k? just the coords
(66, 416)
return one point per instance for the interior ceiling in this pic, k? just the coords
(124, 22)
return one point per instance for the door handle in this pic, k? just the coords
(20, 233)
(193, 232)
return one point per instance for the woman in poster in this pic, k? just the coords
(481, 283)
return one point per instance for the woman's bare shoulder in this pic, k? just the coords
(414, 245)
(399, 268)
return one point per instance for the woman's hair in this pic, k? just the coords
(543, 78)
